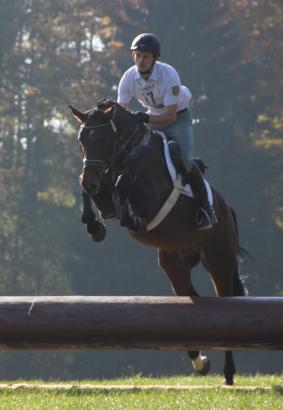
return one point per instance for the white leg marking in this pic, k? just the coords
(200, 362)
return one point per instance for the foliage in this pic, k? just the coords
(52, 55)
(262, 23)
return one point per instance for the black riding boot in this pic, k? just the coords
(206, 217)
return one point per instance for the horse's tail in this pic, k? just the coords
(239, 286)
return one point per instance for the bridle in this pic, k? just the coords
(102, 166)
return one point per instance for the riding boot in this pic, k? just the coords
(206, 216)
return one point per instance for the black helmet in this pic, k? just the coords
(146, 42)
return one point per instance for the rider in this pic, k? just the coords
(157, 87)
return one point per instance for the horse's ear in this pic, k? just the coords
(110, 112)
(80, 116)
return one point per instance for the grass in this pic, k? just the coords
(250, 392)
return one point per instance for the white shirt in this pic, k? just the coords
(162, 88)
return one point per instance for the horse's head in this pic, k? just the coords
(96, 137)
(101, 137)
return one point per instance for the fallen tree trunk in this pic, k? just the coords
(146, 322)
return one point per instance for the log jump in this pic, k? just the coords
(146, 322)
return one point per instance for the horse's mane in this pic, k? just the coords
(106, 103)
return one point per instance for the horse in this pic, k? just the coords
(125, 174)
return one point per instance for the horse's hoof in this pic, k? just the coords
(228, 381)
(138, 225)
(92, 227)
(100, 236)
(201, 364)
(87, 217)
(97, 231)
(205, 370)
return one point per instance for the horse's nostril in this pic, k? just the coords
(91, 187)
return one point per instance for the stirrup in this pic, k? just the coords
(206, 218)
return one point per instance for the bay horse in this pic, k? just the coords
(125, 174)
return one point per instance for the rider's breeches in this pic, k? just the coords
(181, 132)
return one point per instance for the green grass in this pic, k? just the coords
(250, 392)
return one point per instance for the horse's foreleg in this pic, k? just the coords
(94, 227)
(178, 266)
(124, 186)
(87, 215)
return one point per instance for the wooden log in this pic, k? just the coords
(76, 322)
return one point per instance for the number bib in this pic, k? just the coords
(147, 93)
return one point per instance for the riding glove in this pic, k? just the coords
(142, 116)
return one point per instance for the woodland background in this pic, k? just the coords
(229, 53)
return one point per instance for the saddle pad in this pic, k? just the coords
(176, 178)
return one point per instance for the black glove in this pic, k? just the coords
(142, 116)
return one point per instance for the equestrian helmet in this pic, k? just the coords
(146, 42)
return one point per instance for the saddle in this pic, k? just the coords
(176, 157)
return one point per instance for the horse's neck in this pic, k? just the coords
(130, 135)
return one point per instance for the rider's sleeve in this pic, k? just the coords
(172, 93)
(124, 90)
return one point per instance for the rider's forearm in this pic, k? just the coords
(166, 119)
